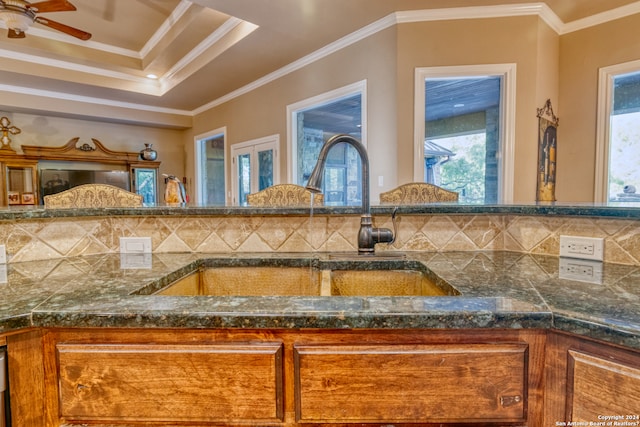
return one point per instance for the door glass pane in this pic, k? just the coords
(212, 168)
(265, 169)
(462, 136)
(317, 124)
(244, 178)
(145, 180)
(624, 141)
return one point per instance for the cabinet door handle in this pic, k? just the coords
(507, 401)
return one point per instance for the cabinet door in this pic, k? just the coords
(599, 387)
(411, 383)
(170, 383)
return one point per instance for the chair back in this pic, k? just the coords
(281, 195)
(93, 196)
(417, 193)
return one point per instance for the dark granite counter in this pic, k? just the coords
(498, 290)
(621, 210)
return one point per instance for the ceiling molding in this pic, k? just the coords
(601, 18)
(181, 70)
(160, 33)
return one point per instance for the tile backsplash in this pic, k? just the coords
(37, 239)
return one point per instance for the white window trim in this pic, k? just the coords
(334, 95)
(235, 148)
(606, 76)
(508, 113)
(197, 158)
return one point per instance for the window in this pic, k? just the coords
(210, 169)
(464, 130)
(314, 121)
(618, 146)
(255, 167)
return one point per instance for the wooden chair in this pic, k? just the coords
(417, 193)
(281, 195)
(93, 196)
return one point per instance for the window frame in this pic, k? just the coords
(272, 141)
(507, 114)
(357, 88)
(606, 76)
(198, 193)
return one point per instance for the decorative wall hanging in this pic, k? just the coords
(547, 146)
(6, 129)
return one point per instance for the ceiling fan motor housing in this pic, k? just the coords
(17, 15)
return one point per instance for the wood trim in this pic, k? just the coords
(27, 395)
(85, 152)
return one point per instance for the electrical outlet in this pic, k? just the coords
(582, 270)
(135, 245)
(582, 247)
(3, 254)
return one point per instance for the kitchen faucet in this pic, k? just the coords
(368, 236)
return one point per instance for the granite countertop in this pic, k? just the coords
(611, 210)
(497, 290)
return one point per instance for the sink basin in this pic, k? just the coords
(399, 278)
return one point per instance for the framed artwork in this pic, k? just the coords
(28, 199)
(13, 197)
(547, 146)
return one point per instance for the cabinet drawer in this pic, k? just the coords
(411, 383)
(156, 383)
(598, 386)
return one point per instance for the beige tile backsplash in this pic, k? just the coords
(39, 239)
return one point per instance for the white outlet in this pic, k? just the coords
(135, 245)
(582, 270)
(582, 247)
(3, 254)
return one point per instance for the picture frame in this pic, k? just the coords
(547, 149)
(13, 198)
(28, 199)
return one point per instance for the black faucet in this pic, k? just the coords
(368, 236)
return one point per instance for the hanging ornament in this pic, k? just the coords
(6, 129)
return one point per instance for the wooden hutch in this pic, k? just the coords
(22, 183)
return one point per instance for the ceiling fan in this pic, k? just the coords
(18, 15)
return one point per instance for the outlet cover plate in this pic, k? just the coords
(582, 247)
(135, 245)
(582, 270)
(3, 254)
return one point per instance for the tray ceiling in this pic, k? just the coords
(202, 50)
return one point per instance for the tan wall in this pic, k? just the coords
(49, 131)
(388, 60)
(262, 112)
(582, 54)
(470, 42)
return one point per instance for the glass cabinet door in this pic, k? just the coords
(146, 183)
(20, 184)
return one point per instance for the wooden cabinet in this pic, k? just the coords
(216, 382)
(411, 383)
(289, 377)
(39, 171)
(19, 180)
(588, 381)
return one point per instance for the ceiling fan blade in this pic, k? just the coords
(52, 6)
(13, 34)
(82, 35)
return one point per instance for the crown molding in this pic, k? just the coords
(601, 18)
(474, 12)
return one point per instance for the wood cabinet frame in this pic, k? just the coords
(73, 151)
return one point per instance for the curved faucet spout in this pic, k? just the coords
(368, 236)
(315, 180)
